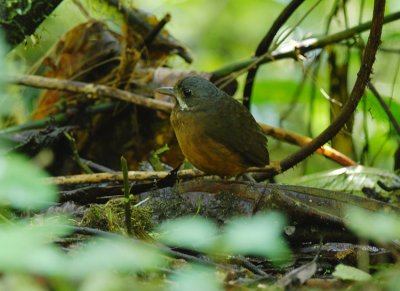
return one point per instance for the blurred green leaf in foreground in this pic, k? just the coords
(258, 235)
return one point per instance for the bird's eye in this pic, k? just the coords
(187, 92)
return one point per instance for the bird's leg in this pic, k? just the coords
(246, 177)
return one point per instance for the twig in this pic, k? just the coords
(117, 177)
(385, 107)
(97, 166)
(388, 188)
(90, 89)
(127, 200)
(155, 31)
(58, 118)
(250, 266)
(82, 9)
(264, 45)
(90, 194)
(279, 41)
(356, 94)
(313, 94)
(75, 153)
(295, 98)
(331, 15)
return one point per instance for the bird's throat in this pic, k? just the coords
(182, 103)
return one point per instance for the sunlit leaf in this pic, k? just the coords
(379, 226)
(257, 235)
(196, 278)
(190, 232)
(349, 179)
(22, 185)
(350, 273)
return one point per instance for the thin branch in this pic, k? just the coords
(96, 166)
(248, 265)
(155, 31)
(300, 140)
(295, 97)
(117, 177)
(59, 118)
(82, 9)
(297, 24)
(91, 90)
(264, 45)
(127, 200)
(356, 94)
(75, 153)
(385, 107)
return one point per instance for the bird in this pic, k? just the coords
(215, 132)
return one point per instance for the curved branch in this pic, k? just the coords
(356, 94)
(264, 45)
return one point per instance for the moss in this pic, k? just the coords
(168, 204)
(111, 217)
(224, 206)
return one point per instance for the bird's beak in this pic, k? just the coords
(171, 91)
(166, 90)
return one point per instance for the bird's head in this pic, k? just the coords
(192, 91)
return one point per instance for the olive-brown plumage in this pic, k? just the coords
(216, 133)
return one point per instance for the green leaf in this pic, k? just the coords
(350, 273)
(257, 235)
(23, 185)
(190, 232)
(118, 254)
(27, 247)
(197, 278)
(378, 226)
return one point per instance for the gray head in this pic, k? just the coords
(191, 91)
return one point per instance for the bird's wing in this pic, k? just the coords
(238, 130)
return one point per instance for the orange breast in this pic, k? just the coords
(202, 151)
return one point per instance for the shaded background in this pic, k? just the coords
(220, 33)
